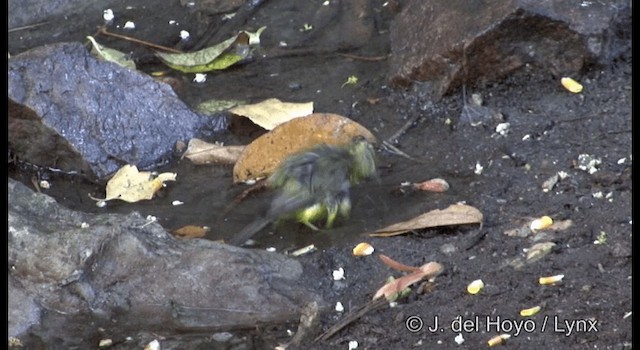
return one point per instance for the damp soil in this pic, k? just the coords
(501, 174)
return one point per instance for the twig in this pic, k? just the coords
(397, 151)
(27, 26)
(239, 198)
(352, 317)
(405, 127)
(104, 31)
(364, 58)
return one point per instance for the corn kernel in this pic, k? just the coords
(571, 85)
(475, 287)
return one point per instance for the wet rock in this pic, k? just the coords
(29, 12)
(444, 44)
(70, 111)
(124, 275)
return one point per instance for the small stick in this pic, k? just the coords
(27, 26)
(364, 58)
(352, 317)
(104, 31)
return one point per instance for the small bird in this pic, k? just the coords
(315, 184)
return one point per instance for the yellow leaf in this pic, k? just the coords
(273, 112)
(130, 185)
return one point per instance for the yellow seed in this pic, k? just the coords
(530, 312)
(498, 339)
(541, 223)
(550, 279)
(475, 287)
(363, 249)
(571, 85)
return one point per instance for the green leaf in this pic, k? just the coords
(212, 107)
(111, 55)
(217, 57)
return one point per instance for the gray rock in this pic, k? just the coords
(444, 44)
(71, 111)
(123, 274)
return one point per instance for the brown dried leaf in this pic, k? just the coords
(201, 152)
(396, 265)
(433, 185)
(392, 289)
(264, 154)
(456, 214)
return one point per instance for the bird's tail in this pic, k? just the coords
(248, 232)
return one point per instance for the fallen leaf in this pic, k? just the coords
(201, 152)
(217, 57)
(394, 288)
(111, 55)
(262, 156)
(130, 185)
(396, 265)
(539, 250)
(191, 231)
(273, 112)
(211, 107)
(433, 185)
(456, 214)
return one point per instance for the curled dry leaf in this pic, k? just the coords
(130, 185)
(456, 214)
(396, 265)
(273, 112)
(201, 152)
(264, 154)
(433, 185)
(394, 288)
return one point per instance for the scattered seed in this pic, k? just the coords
(541, 223)
(571, 85)
(338, 274)
(499, 339)
(363, 249)
(475, 287)
(550, 279)
(200, 78)
(304, 250)
(530, 311)
(107, 15)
